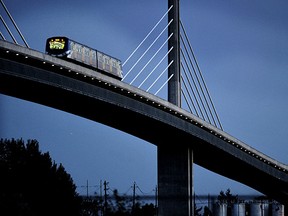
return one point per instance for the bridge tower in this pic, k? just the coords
(175, 162)
(174, 86)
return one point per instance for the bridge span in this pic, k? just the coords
(50, 81)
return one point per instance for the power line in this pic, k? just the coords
(87, 186)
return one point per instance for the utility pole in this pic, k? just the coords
(101, 200)
(87, 185)
(105, 196)
(134, 198)
(156, 200)
(174, 88)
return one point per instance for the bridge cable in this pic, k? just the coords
(14, 23)
(156, 67)
(151, 59)
(201, 76)
(2, 36)
(199, 83)
(185, 97)
(147, 35)
(160, 75)
(147, 49)
(154, 55)
(190, 85)
(190, 97)
(8, 30)
(164, 84)
(196, 88)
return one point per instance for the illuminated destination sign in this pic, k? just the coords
(57, 43)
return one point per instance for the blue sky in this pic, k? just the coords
(242, 49)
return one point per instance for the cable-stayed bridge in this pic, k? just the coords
(183, 136)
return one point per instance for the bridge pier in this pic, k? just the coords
(175, 181)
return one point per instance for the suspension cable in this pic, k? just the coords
(199, 107)
(155, 67)
(2, 36)
(14, 23)
(164, 84)
(160, 75)
(148, 49)
(185, 97)
(147, 35)
(201, 76)
(7, 28)
(198, 93)
(151, 59)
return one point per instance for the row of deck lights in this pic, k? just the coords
(171, 111)
(211, 131)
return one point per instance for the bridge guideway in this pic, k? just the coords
(138, 113)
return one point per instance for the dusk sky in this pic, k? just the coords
(242, 50)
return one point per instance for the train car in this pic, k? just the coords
(66, 48)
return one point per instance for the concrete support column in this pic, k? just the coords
(175, 181)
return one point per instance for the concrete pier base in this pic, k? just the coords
(175, 181)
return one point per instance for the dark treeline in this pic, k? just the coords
(31, 184)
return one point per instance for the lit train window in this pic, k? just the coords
(57, 46)
(57, 43)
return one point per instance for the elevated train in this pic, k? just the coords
(71, 50)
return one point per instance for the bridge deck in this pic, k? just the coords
(62, 85)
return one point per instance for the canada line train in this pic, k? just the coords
(71, 50)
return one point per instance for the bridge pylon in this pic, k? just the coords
(174, 84)
(175, 164)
